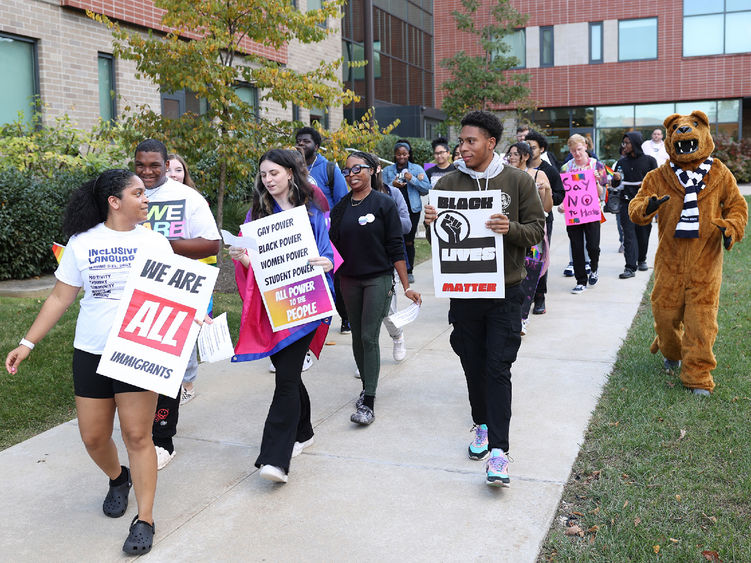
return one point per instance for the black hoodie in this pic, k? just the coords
(633, 168)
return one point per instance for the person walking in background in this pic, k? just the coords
(585, 234)
(538, 144)
(487, 332)
(366, 230)
(177, 169)
(655, 147)
(182, 215)
(413, 182)
(327, 175)
(281, 186)
(629, 172)
(397, 334)
(442, 157)
(103, 217)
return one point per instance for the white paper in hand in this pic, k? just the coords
(403, 317)
(214, 341)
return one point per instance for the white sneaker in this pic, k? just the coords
(163, 457)
(357, 372)
(308, 363)
(400, 349)
(187, 395)
(272, 369)
(273, 473)
(300, 446)
(578, 289)
(525, 322)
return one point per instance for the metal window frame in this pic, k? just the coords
(113, 75)
(543, 30)
(593, 25)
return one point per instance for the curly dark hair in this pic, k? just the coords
(88, 205)
(538, 137)
(440, 142)
(486, 121)
(315, 135)
(300, 192)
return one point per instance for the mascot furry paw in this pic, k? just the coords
(699, 211)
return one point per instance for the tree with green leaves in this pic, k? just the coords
(481, 80)
(207, 53)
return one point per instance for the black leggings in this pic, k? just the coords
(288, 420)
(409, 239)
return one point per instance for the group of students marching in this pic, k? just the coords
(376, 244)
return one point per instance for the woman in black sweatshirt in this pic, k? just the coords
(366, 230)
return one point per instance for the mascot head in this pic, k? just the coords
(687, 139)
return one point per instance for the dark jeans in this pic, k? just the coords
(542, 285)
(338, 299)
(486, 336)
(409, 239)
(368, 301)
(577, 234)
(635, 239)
(288, 420)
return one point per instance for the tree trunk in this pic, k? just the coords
(220, 200)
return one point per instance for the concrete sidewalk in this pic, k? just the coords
(402, 489)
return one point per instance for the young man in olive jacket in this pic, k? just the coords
(487, 332)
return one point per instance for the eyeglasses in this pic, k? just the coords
(439, 153)
(355, 169)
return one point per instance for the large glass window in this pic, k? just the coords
(637, 39)
(546, 46)
(595, 42)
(517, 47)
(716, 27)
(175, 104)
(107, 105)
(248, 94)
(18, 72)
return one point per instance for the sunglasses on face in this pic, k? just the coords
(354, 170)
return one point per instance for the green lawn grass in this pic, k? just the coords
(663, 474)
(40, 395)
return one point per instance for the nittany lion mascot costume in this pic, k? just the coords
(699, 211)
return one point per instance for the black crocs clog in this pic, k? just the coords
(140, 538)
(116, 502)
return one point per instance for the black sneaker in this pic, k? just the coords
(363, 415)
(539, 308)
(345, 328)
(643, 267)
(627, 273)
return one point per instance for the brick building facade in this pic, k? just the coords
(599, 68)
(50, 48)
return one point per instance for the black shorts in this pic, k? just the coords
(90, 384)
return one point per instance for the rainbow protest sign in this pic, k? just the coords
(57, 250)
(294, 292)
(581, 203)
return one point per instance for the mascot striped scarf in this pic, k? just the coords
(693, 183)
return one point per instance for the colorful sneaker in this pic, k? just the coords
(400, 349)
(478, 449)
(578, 288)
(363, 415)
(163, 457)
(497, 469)
(594, 277)
(298, 447)
(187, 395)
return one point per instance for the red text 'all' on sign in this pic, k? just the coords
(157, 322)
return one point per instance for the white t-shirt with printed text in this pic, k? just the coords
(99, 260)
(178, 211)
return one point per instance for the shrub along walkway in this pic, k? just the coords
(401, 489)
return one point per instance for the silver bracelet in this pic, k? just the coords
(28, 343)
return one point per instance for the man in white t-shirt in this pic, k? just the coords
(655, 147)
(182, 215)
